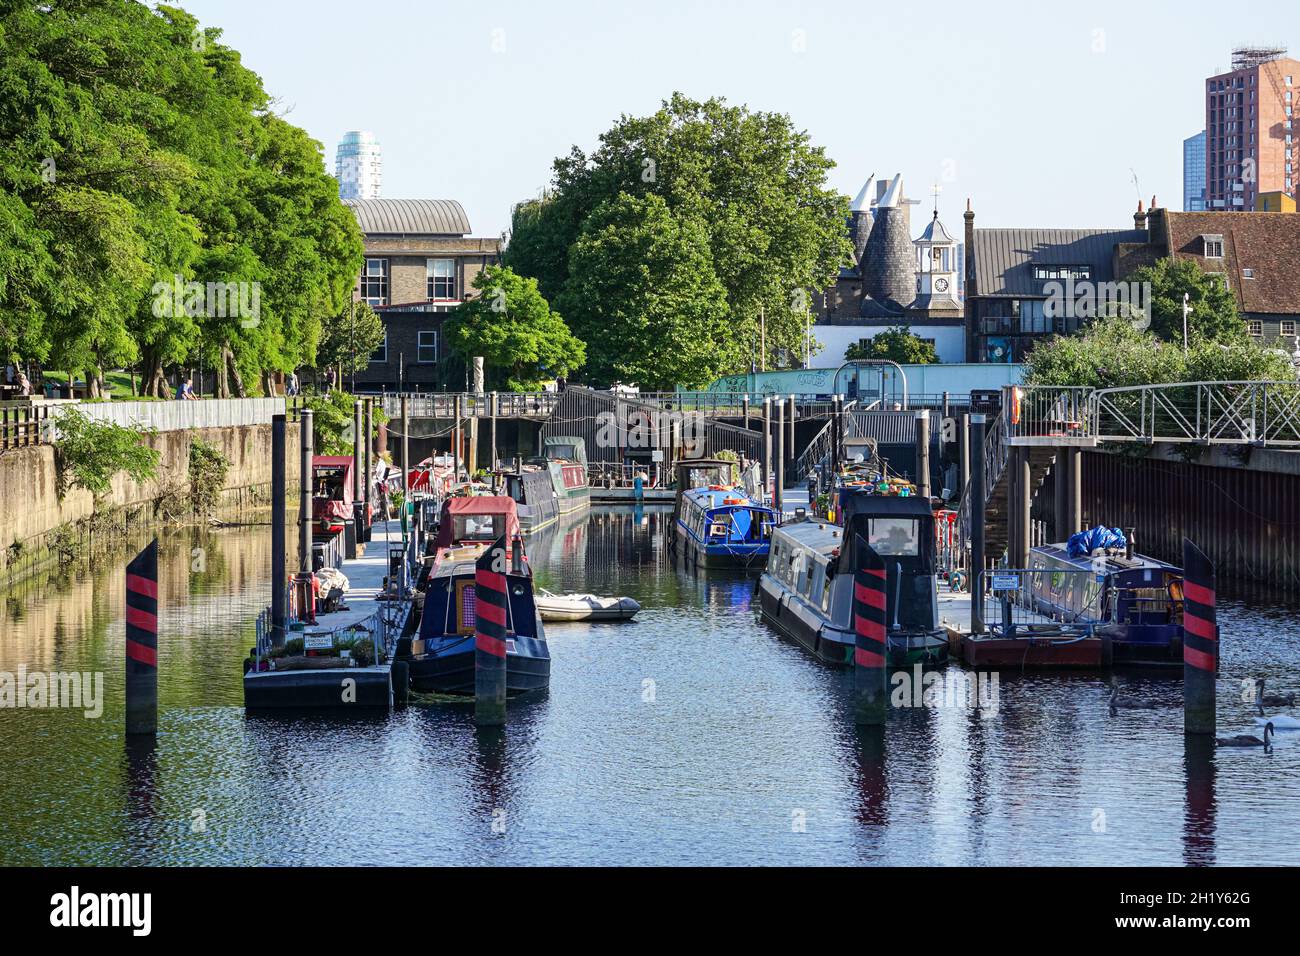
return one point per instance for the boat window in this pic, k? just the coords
(478, 527)
(897, 536)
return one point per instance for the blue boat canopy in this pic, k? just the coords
(1083, 543)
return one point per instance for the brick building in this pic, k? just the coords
(420, 264)
(1249, 144)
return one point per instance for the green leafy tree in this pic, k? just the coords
(749, 184)
(91, 453)
(1214, 313)
(1111, 353)
(523, 342)
(898, 344)
(644, 295)
(348, 338)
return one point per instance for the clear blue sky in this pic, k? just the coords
(1037, 111)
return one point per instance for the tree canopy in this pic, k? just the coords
(742, 195)
(1214, 309)
(523, 342)
(898, 344)
(138, 158)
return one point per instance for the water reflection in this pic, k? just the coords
(691, 735)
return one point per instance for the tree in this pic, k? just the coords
(749, 183)
(523, 342)
(91, 453)
(642, 291)
(1214, 308)
(348, 338)
(898, 344)
(1111, 353)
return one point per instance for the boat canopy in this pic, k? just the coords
(477, 518)
(564, 448)
(332, 481)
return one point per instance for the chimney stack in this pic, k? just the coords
(1140, 217)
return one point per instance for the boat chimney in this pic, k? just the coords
(1128, 542)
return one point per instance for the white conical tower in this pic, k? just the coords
(860, 217)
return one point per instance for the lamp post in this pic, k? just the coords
(1187, 308)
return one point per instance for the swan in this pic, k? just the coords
(1248, 740)
(1271, 700)
(1116, 702)
(1278, 721)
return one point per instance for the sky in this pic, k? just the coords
(1041, 113)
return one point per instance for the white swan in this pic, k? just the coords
(1279, 722)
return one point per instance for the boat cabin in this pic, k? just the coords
(333, 484)
(899, 528)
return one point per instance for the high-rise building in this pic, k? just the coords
(1249, 146)
(1194, 173)
(359, 166)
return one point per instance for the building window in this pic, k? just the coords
(1248, 273)
(380, 354)
(426, 349)
(1255, 328)
(441, 275)
(1048, 273)
(1288, 327)
(1213, 246)
(374, 282)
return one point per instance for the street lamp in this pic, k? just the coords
(1187, 308)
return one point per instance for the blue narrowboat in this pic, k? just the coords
(1136, 601)
(716, 523)
(442, 658)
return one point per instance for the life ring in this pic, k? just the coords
(1015, 406)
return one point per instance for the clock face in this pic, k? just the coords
(941, 285)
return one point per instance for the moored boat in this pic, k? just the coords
(442, 657)
(806, 592)
(533, 491)
(716, 524)
(585, 607)
(565, 458)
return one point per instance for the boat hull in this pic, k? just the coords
(449, 669)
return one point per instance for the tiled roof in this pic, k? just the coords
(410, 217)
(1267, 243)
(1004, 258)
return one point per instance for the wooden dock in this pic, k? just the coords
(1037, 643)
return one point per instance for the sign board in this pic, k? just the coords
(1006, 582)
(657, 455)
(318, 642)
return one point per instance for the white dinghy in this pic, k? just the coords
(584, 607)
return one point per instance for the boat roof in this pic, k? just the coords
(710, 498)
(332, 461)
(1113, 562)
(860, 503)
(565, 442)
(476, 505)
(818, 536)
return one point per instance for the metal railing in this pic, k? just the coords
(1029, 602)
(455, 405)
(995, 462)
(1210, 413)
(1056, 412)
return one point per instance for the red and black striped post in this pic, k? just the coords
(869, 629)
(1200, 641)
(490, 636)
(142, 642)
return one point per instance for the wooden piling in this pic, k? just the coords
(304, 488)
(767, 446)
(779, 457)
(492, 427)
(977, 506)
(869, 604)
(923, 453)
(1200, 641)
(963, 452)
(279, 531)
(142, 642)
(490, 636)
(358, 455)
(789, 437)
(367, 461)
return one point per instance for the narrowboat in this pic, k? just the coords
(565, 458)
(716, 524)
(533, 492)
(442, 657)
(1136, 601)
(806, 593)
(332, 492)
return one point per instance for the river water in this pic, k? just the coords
(691, 736)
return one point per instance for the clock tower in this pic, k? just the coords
(936, 268)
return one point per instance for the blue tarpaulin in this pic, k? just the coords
(1085, 542)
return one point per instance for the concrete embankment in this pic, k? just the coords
(37, 523)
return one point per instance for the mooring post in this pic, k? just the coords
(744, 404)
(779, 457)
(1075, 483)
(279, 570)
(789, 438)
(1024, 507)
(1061, 529)
(490, 636)
(923, 453)
(142, 642)
(1200, 641)
(767, 446)
(304, 491)
(358, 426)
(977, 505)
(406, 450)
(869, 655)
(963, 452)
(368, 466)
(492, 427)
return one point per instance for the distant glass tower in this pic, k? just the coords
(358, 166)
(1194, 173)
